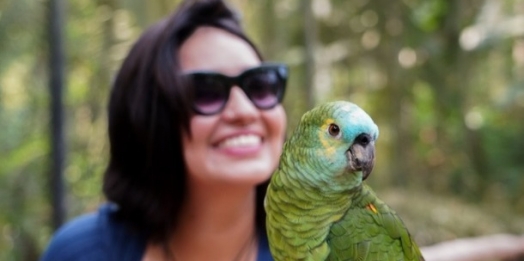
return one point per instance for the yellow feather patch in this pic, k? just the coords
(326, 143)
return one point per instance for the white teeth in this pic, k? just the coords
(241, 141)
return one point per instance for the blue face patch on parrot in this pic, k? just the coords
(354, 121)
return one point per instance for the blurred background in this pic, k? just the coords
(443, 79)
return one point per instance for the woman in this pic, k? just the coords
(196, 129)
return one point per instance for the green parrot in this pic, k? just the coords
(318, 206)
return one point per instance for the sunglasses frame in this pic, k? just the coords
(282, 72)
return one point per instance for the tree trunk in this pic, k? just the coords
(310, 38)
(56, 85)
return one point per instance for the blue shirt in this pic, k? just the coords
(99, 237)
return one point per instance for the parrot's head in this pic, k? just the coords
(339, 140)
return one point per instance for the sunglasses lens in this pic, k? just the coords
(210, 93)
(264, 88)
(264, 85)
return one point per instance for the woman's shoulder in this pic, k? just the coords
(95, 236)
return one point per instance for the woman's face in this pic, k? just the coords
(241, 144)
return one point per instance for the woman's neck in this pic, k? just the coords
(217, 222)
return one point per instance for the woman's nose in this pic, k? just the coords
(239, 107)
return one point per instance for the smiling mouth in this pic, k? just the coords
(247, 140)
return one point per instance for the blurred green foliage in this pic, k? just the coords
(443, 79)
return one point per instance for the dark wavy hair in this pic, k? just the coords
(148, 112)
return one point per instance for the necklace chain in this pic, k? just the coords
(246, 250)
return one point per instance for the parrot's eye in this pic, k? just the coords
(334, 130)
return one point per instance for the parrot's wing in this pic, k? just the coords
(372, 231)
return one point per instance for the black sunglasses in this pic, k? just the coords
(264, 85)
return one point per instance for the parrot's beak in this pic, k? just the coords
(361, 155)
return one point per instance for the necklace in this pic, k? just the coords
(248, 248)
(246, 251)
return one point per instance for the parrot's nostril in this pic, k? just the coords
(363, 139)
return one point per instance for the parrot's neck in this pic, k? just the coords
(309, 212)
(327, 200)
(335, 193)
